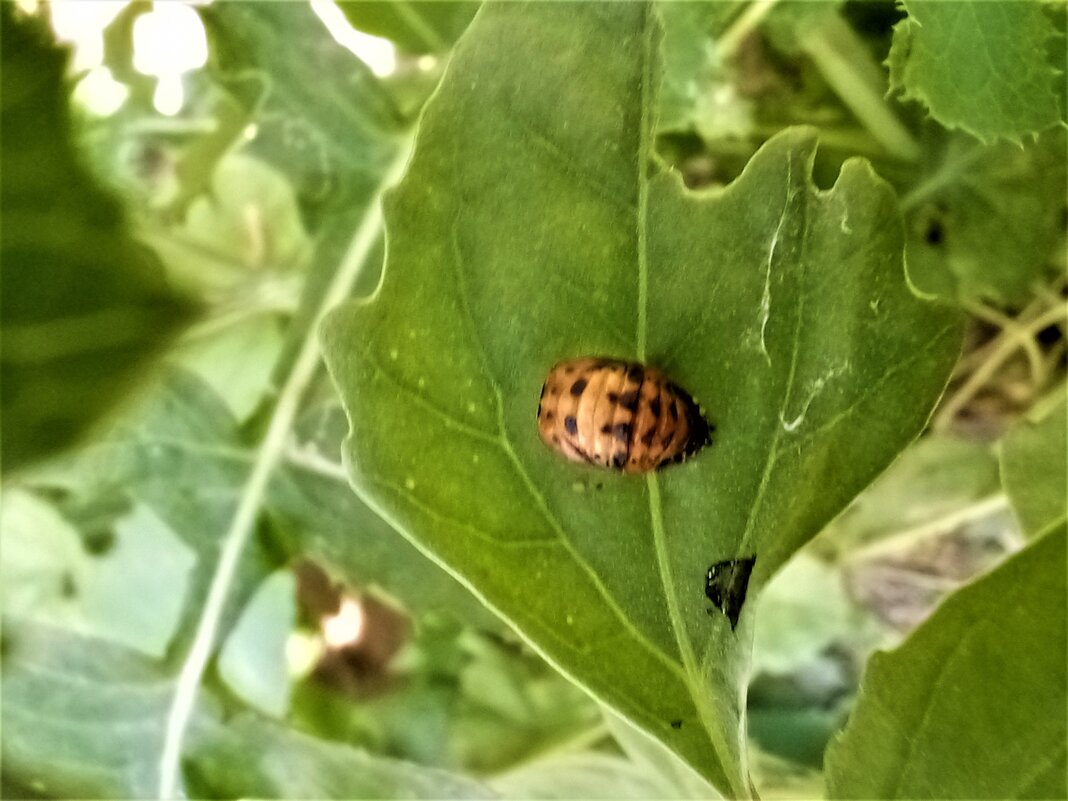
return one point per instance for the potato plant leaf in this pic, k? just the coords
(251, 757)
(84, 308)
(980, 66)
(1034, 468)
(930, 722)
(534, 225)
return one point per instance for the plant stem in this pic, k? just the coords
(892, 543)
(947, 174)
(858, 80)
(987, 369)
(747, 21)
(269, 453)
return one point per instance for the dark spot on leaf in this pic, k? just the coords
(67, 587)
(571, 424)
(935, 234)
(676, 724)
(578, 386)
(726, 583)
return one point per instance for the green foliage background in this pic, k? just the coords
(834, 223)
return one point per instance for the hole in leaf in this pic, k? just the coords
(726, 584)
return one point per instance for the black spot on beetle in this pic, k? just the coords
(654, 407)
(647, 437)
(676, 724)
(668, 439)
(619, 460)
(674, 409)
(622, 431)
(549, 416)
(629, 400)
(571, 424)
(578, 387)
(606, 428)
(725, 585)
(613, 397)
(636, 373)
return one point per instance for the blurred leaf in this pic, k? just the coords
(321, 117)
(236, 362)
(588, 775)
(48, 576)
(529, 230)
(971, 705)
(246, 226)
(84, 308)
(980, 65)
(987, 220)
(692, 69)
(252, 660)
(804, 609)
(936, 476)
(254, 758)
(1034, 468)
(415, 26)
(83, 718)
(678, 779)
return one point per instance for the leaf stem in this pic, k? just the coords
(746, 22)
(945, 175)
(986, 370)
(859, 81)
(271, 450)
(892, 543)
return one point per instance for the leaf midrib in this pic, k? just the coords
(693, 681)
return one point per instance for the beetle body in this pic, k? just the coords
(619, 415)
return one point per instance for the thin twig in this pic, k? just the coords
(268, 455)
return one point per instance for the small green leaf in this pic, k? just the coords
(1034, 468)
(132, 594)
(254, 758)
(532, 227)
(252, 661)
(84, 718)
(416, 26)
(987, 221)
(333, 144)
(972, 704)
(980, 65)
(84, 307)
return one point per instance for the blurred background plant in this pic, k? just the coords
(181, 184)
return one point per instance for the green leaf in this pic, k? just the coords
(980, 65)
(84, 718)
(254, 758)
(588, 775)
(84, 308)
(416, 26)
(252, 661)
(1034, 467)
(987, 221)
(49, 576)
(334, 143)
(971, 705)
(532, 227)
(936, 477)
